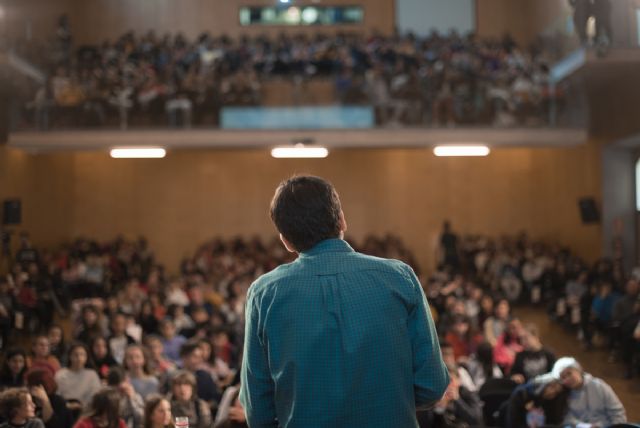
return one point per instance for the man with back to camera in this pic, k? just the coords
(335, 338)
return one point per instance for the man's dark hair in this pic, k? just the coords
(188, 348)
(306, 210)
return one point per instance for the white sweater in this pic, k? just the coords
(78, 385)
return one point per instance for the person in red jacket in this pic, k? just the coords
(103, 411)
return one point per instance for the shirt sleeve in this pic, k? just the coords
(430, 375)
(257, 387)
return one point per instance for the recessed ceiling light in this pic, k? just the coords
(299, 151)
(138, 153)
(459, 150)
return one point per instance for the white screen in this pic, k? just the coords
(422, 16)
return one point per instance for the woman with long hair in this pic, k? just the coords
(496, 324)
(13, 368)
(18, 409)
(77, 382)
(100, 357)
(90, 325)
(103, 412)
(508, 345)
(157, 413)
(57, 343)
(137, 366)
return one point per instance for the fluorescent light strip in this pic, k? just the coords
(138, 153)
(299, 152)
(475, 150)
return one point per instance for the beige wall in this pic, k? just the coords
(97, 20)
(523, 19)
(191, 196)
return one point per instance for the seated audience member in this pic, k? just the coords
(18, 409)
(42, 355)
(185, 402)
(537, 403)
(462, 339)
(230, 413)
(508, 345)
(171, 342)
(157, 413)
(119, 339)
(602, 310)
(131, 403)
(57, 344)
(481, 366)
(100, 357)
(181, 321)
(13, 368)
(90, 325)
(458, 407)
(77, 382)
(147, 319)
(591, 400)
(449, 359)
(534, 359)
(103, 411)
(51, 408)
(159, 365)
(214, 364)
(495, 325)
(206, 388)
(137, 366)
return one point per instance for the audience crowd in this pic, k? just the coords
(150, 79)
(144, 347)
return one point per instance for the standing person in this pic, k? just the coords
(335, 338)
(18, 409)
(449, 255)
(581, 14)
(602, 13)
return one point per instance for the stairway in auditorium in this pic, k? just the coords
(595, 362)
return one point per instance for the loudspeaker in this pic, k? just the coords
(588, 211)
(11, 212)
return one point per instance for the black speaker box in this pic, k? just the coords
(11, 212)
(588, 211)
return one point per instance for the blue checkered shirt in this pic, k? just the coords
(339, 339)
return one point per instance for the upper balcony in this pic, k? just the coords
(384, 91)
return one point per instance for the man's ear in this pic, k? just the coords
(290, 248)
(343, 223)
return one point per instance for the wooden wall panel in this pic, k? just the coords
(192, 17)
(192, 196)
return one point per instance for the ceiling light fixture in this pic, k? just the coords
(299, 151)
(459, 150)
(138, 153)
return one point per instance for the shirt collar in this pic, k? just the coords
(335, 245)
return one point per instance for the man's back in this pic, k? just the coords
(339, 339)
